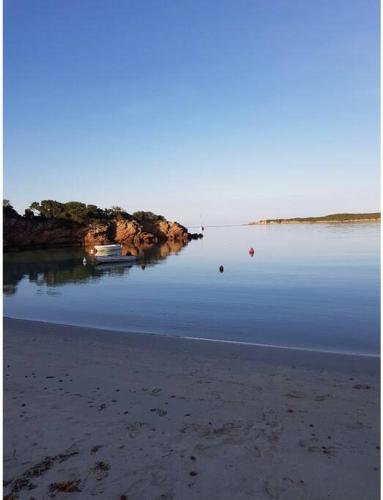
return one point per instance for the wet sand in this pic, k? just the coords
(90, 413)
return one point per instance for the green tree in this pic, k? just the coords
(8, 210)
(142, 216)
(28, 213)
(47, 208)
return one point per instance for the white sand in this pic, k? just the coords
(149, 417)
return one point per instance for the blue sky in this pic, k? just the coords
(226, 110)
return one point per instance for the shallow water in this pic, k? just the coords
(307, 286)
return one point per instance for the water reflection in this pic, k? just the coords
(57, 267)
(150, 255)
(309, 286)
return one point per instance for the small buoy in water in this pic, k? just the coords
(84, 261)
(251, 251)
(221, 269)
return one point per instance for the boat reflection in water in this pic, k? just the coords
(150, 255)
(56, 267)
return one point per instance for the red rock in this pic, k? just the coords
(36, 232)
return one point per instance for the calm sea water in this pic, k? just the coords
(307, 286)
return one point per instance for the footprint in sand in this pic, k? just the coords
(101, 470)
(296, 395)
(314, 446)
(136, 428)
(278, 488)
(159, 411)
(95, 448)
(321, 397)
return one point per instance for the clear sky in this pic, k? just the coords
(225, 110)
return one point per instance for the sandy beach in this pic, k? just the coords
(91, 413)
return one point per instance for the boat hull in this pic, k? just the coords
(115, 258)
(114, 246)
(107, 250)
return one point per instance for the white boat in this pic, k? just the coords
(108, 259)
(107, 248)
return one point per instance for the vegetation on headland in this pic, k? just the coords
(78, 212)
(365, 217)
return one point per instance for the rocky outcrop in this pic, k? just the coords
(20, 233)
(126, 230)
(147, 232)
(195, 236)
(94, 233)
(36, 232)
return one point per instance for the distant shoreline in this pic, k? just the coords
(332, 218)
